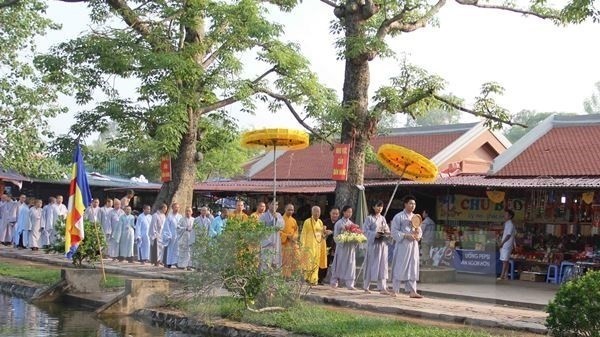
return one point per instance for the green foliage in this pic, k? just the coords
(232, 261)
(528, 117)
(575, 310)
(435, 117)
(26, 102)
(88, 250)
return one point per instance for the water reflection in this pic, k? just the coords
(19, 318)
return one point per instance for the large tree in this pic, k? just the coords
(363, 27)
(187, 57)
(592, 104)
(26, 103)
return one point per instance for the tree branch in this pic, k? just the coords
(232, 99)
(8, 3)
(475, 3)
(395, 23)
(288, 104)
(330, 3)
(130, 17)
(213, 56)
(475, 113)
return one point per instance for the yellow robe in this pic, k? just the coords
(240, 216)
(314, 249)
(289, 246)
(256, 215)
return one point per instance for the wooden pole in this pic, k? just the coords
(100, 251)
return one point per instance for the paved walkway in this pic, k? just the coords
(471, 300)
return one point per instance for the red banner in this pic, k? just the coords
(165, 169)
(340, 162)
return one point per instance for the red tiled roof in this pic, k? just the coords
(314, 162)
(266, 186)
(483, 181)
(562, 151)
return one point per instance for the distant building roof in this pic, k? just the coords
(441, 143)
(100, 180)
(10, 175)
(560, 146)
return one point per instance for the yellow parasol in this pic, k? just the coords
(286, 138)
(407, 164)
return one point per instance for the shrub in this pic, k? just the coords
(88, 249)
(232, 261)
(575, 310)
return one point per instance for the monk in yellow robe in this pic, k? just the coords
(238, 213)
(289, 242)
(314, 250)
(260, 209)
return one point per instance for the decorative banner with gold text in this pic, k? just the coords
(466, 208)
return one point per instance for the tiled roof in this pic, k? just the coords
(566, 150)
(483, 181)
(314, 162)
(11, 175)
(265, 186)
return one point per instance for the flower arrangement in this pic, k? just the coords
(351, 234)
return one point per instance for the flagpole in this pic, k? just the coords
(100, 252)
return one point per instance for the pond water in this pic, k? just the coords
(19, 318)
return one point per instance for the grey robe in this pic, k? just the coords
(124, 235)
(113, 243)
(35, 227)
(156, 227)
(22, 225)
(344, 260)
(376, 267)
(405, 264)
(104, 217)
(271, 247)
(9, 217)
(186, 238)
(48, 220)
(142, 231)
(169, 236)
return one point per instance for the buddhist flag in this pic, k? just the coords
(79, 198)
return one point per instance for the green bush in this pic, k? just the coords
(575, 310)
(88, 249)
(231, 261)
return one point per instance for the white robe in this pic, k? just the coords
(376, 260)
(35, 227)
(9, 217)
(186, 238)
(271, 247)
(169, 236)
(142, 230)
(405, 264)
(124, 235)
(113, 244)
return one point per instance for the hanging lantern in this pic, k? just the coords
(496, 196)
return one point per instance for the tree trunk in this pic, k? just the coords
(183, 171)
(356, 126)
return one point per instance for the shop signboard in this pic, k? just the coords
(165, 169)
(460, 207)
(475, 261)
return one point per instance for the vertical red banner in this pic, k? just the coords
(341, 153)
(165, 169)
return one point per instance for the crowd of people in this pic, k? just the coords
(166, 236)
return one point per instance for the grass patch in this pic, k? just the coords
(47, 276)
(322, 321)
(35, 274)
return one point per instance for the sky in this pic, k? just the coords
(543, 67)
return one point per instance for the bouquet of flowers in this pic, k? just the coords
(351, 234)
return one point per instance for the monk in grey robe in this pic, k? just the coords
(142, 234)
(376, 260)
(156, 228)
(48, 220)
(124, 235)
(115, 216)
(343, 267)
(186, 238)
(169, 236)
(270, 251)
(9, 217)
(405, 265)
